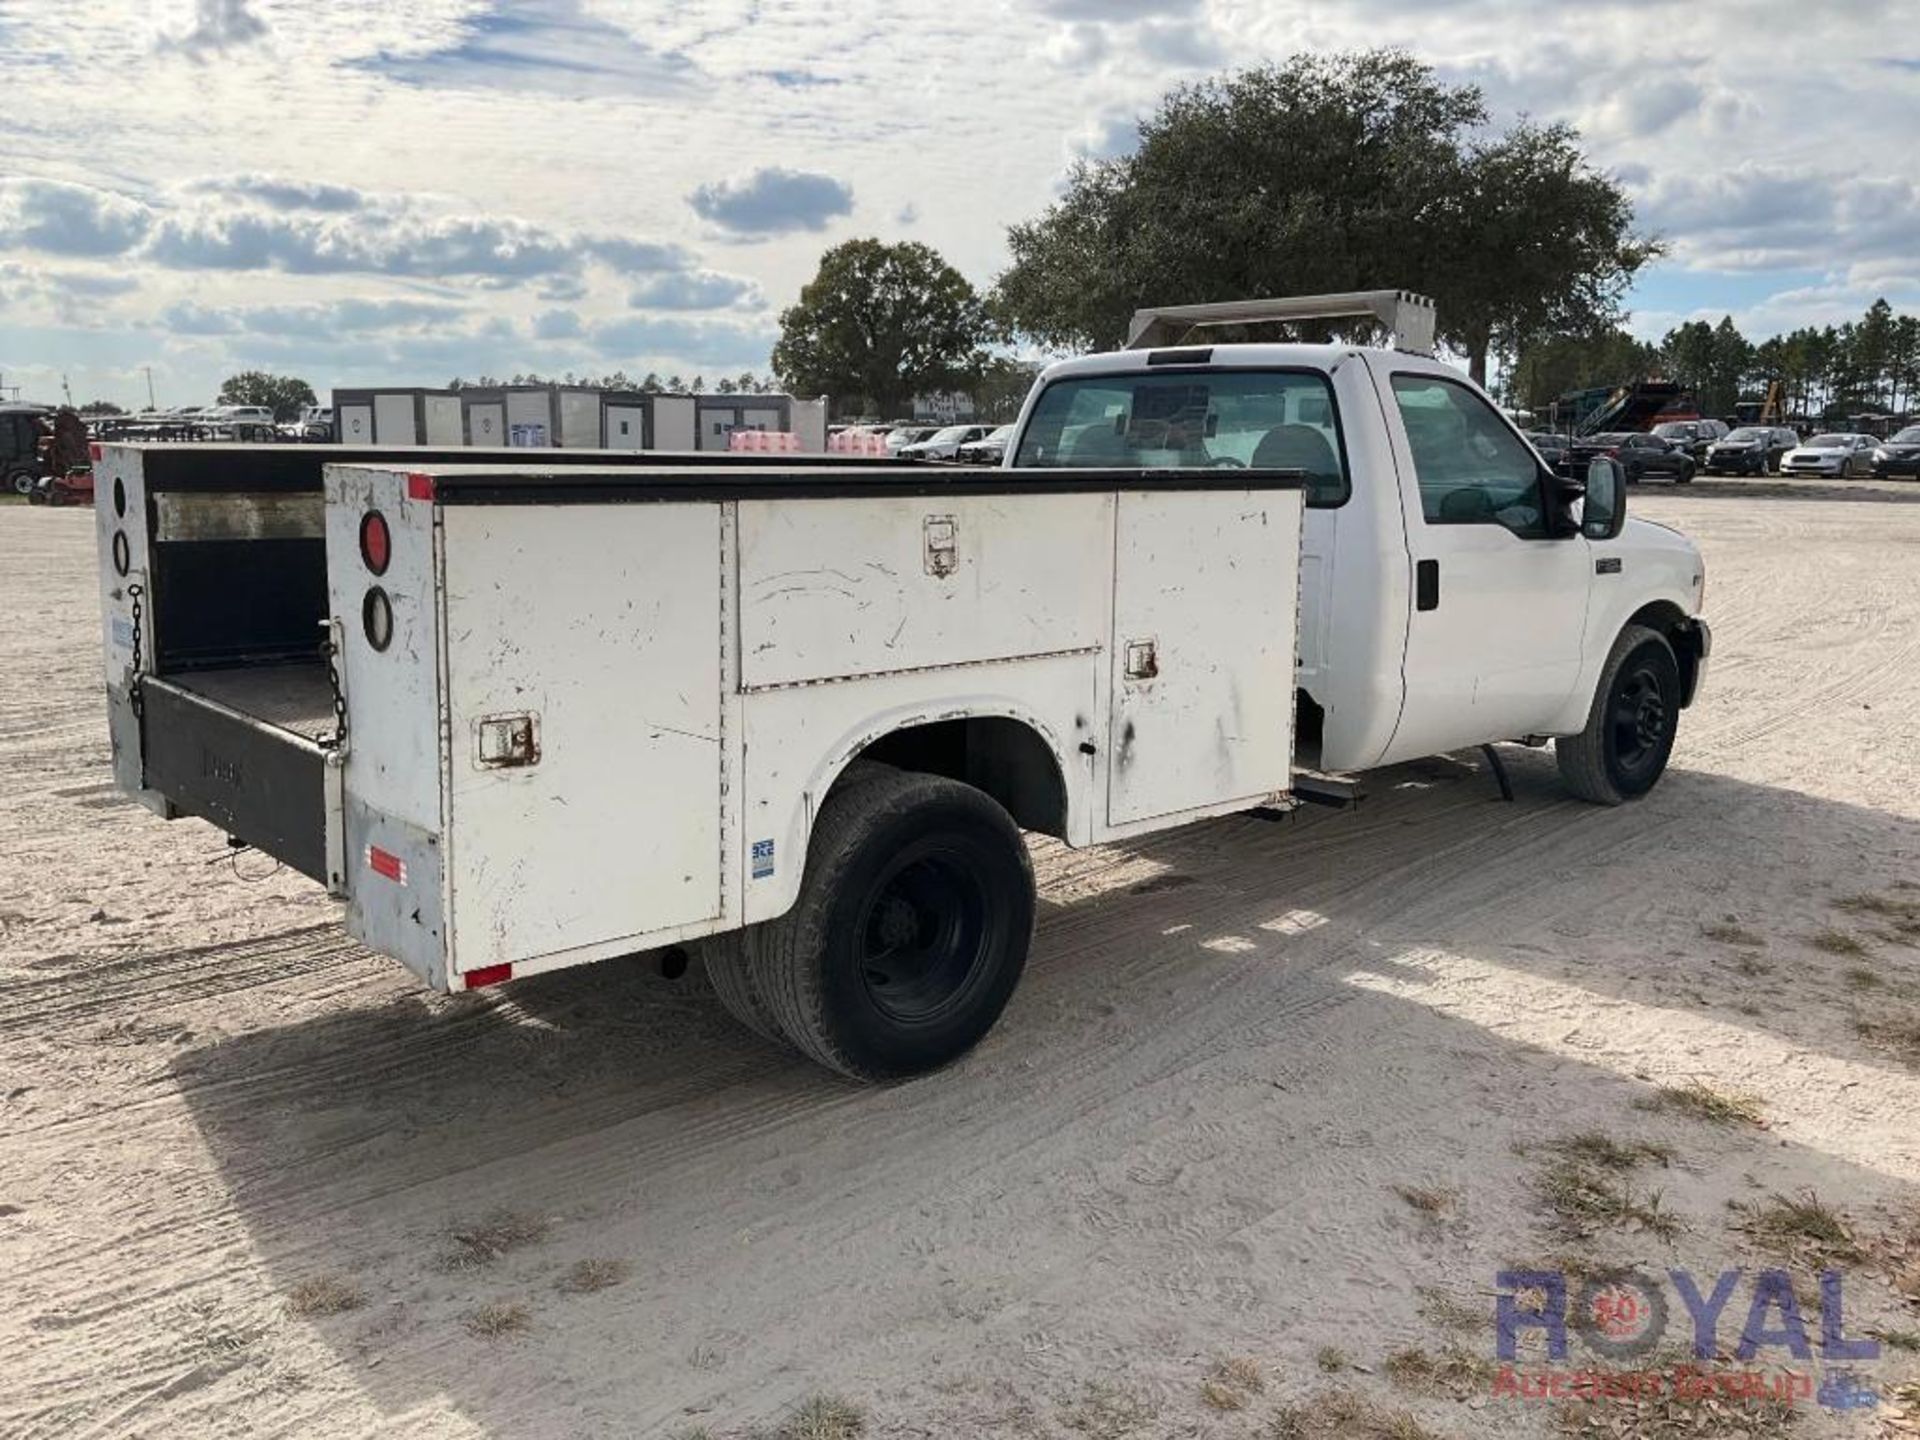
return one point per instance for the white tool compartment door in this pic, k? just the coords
(598, 625)
(1206, 600)
(356, 424)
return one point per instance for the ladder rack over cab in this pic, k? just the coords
(799, 712)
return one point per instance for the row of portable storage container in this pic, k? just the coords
(569, 416)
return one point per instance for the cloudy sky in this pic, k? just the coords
(399, 191)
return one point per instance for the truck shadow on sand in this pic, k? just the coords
(1232, 1043)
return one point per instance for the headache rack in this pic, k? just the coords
(1407, 318)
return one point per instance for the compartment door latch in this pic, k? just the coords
(943, 546)
(505, 742)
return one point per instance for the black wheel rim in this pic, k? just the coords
(923, 936)
(1639, 718)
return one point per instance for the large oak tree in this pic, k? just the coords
(882, 323)
(1331, 173)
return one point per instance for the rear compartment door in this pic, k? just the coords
(598, 627)
(1206, 597)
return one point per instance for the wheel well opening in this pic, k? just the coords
(1006, 758)
(1671, 621)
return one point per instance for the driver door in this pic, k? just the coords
(1494, 643)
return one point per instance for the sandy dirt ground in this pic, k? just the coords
(1268, 1092)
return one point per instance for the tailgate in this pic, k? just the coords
(243, 748)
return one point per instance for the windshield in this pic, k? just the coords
(949, 435)
(1214, 419)
(1676, 430)
(1003, 434)
(1748, 434)
(1829, 442)
(1908, 436)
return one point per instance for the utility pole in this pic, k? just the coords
(66, 389)
(149, 370)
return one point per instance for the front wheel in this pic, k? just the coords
(1631, 727)
(910, 931)
(1685, 477)
(20, 482)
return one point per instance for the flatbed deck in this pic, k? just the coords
(297, 698)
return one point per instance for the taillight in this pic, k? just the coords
(376, 542)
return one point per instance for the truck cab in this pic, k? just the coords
(1451, 591)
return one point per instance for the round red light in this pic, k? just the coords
(376, 543)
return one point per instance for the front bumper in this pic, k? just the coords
(1739, 462)
(1903, 465)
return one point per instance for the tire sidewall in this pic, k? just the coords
(1652, 653)
(961, 825)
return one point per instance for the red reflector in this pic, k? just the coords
(382, 862)
(488, 975)
(419, 487)
(376, 543)
(94, 450)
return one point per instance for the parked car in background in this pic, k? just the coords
(1639, 455)
(1692, 436)
(315, 425)
(1840, 453)
(989, 449)
(1750, 450)
(1898, 454)
(943, 444)
(1553, 448)
(904, 435)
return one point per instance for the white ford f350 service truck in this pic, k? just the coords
(524, 716)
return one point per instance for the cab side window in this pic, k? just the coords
(1471, 468)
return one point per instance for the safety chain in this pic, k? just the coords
(332, 653)
(134, 592)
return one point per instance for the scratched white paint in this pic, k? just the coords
(1211, 580)
(831, 588)
(603, 621)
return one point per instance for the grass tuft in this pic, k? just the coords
(1343, 1415)
(1596, 1148)
(479, 1243)
(1107, 1412)
(1452, 1372)
(497, 1319)
(822, 1417)
(1699, 1101)
(1433, 1200)
(583, 1277)
(1232, 1383)
(1833, 941)
(1331, 1359)
(1584, 1185)
(1805, 1228)
(1726, 932)
(325, 1295)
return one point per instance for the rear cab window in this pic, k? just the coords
(1193, 420)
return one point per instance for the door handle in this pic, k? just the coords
(1426, 585)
